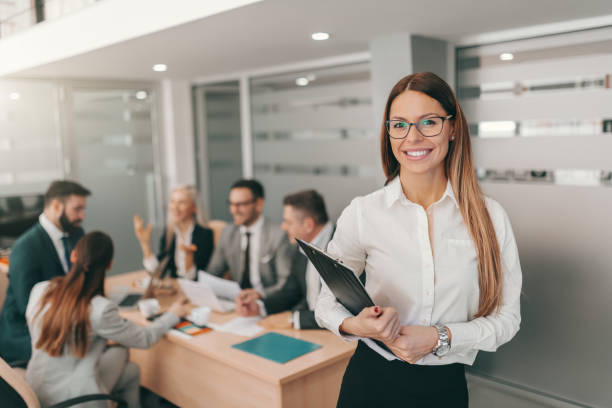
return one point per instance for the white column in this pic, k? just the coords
(177, 142)
(245, 128)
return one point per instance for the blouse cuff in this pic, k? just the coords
(150, 263)
(335, 318)
(464, 337)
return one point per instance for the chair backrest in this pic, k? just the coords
(3, 284)
(14, 381)
(217, 226)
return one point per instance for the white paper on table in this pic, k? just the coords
(224, 288)
(242, 326)
(201, 294)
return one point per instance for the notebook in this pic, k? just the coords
(191, 329)
(277, 347)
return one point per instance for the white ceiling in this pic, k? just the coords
(278, 32)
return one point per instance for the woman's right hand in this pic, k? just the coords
(143, 235)
(180, 307)
(379, 323)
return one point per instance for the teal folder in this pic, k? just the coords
(277, 347)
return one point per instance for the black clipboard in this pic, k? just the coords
(341, 280)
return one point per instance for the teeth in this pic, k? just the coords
(417, 154)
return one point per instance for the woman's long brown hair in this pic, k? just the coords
(65, 322)
(459, 169)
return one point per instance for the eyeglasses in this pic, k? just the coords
(240, 203)
(428, 127)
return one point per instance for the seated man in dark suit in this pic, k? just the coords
(256, 253)
(39, 254)
(304, 217)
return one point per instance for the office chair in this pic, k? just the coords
(15, 392)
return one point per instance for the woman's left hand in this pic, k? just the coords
(414, 342)
(189, 252)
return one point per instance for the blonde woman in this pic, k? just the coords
(440, 259)
(186, 240)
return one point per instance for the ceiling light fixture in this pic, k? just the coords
(160, 67)
(506, 56)
(320, 36)
(301, 81)
(141, 95)
(13, 96)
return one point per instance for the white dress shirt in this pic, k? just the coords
(56, 236)
(180, 261)
(254, 252)
(426, 282)
(313, 279)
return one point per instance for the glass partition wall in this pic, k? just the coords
(541, 119)
(100, 134)
(312, 129)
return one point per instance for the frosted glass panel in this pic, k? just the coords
(543, 122)
(30, 149)
(218, 144)
(113, 142)
(314, 130)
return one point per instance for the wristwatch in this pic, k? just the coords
(443, 345)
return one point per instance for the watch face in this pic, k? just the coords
(442, 350)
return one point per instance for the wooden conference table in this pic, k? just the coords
(205, 371)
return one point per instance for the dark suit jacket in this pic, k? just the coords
(33, 259)
(292, 296)
(201, 237)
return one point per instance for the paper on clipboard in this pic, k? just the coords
(224, 288)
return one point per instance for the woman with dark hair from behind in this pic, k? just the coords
(70, 322)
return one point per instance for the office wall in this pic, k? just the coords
(317, 136)
(541, 146)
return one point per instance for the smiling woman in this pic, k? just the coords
(186, 240)
(440, 259)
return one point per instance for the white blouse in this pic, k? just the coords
(388, 236)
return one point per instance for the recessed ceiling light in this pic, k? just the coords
(141, 95)
(160, 67)
(506, 56)
(13, 96)
(320, 36)
(301, 81)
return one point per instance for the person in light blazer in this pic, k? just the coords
(440, 259)
(71, 322)
(256, 253)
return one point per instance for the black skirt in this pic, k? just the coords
(370, 380)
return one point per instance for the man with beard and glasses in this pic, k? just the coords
(256, 253)
(39, 254)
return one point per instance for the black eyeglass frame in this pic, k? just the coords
(444, 119)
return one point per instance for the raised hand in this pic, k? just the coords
(189, 253)
(143, 234)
